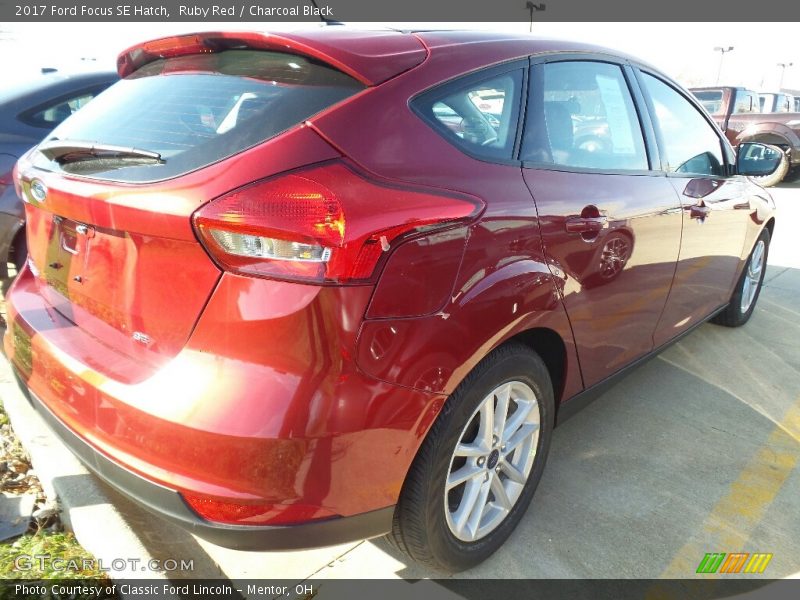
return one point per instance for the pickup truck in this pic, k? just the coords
(773, 102)
(737, 111)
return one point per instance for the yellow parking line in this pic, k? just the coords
(730, 523)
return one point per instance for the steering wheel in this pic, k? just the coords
(478, 131)
(193, 124)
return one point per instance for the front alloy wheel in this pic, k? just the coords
(745, 295)
(752, 276)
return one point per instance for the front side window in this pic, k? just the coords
(691, 145)
(581, 114)
(480, 118)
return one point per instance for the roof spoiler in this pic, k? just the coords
(371, 57)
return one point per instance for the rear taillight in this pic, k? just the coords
(241, 513)
(325, 224)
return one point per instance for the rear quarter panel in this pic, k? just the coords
(504, 286)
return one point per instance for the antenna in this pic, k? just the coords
(322, 17)
(533, 7)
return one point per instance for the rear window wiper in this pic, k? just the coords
(65, 151)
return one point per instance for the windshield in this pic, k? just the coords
(196, 110)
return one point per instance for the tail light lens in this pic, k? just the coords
(326, 224)
(240, 513)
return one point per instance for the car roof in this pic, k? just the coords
(370, 55)
(527, 43)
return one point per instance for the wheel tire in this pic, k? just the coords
(420, 528)
(737, 314)
(777, 176)
(20, 250)
(792, 175)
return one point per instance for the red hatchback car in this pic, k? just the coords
(294, 290)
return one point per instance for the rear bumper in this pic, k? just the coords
(169, 505)
(268, 411)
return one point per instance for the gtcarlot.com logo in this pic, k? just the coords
(735, 562)
(26, 562)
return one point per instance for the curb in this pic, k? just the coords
(86, 509)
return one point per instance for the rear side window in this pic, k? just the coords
(196, 110)
(479, 117)
(712, 101)
(582, 115)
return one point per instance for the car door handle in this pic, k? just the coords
(586, 224)
(699, 212)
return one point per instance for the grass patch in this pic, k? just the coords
(31, 556)
(30, 551)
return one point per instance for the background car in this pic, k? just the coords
(28, 112)
(776, 102)
(740, 116)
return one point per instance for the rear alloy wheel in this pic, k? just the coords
(745, 295)
(478, 468)
(492, 461)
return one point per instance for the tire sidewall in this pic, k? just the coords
(736, 301)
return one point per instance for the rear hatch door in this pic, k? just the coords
(110, 194)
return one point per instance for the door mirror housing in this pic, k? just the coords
(757, 160)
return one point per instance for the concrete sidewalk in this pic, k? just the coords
(695, 452)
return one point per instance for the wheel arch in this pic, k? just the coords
(8, 241)
(770, 226)
(770, 133)
(549, 345)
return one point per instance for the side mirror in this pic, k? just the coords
(757, 160)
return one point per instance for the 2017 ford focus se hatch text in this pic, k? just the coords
(300, 289)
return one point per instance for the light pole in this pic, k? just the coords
(722, 52)
(783, 72)
(534, 7)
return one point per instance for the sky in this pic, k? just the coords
(684, 51)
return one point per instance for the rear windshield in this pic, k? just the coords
(711, 101)
(196, 110)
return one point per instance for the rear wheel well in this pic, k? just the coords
(771, 226)
(18, 250)
(550, 347)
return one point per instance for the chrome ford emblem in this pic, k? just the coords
(38, 190)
